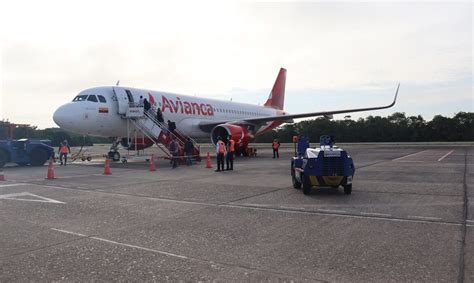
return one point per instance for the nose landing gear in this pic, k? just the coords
(113, 152)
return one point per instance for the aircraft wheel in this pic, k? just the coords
(306, 185)
(348, 189)
(89, 158)
(114, 155)
(38, 157)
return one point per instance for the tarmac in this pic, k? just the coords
(410, 217)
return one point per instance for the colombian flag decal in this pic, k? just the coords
(103, 110)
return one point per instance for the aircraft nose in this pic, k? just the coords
(63, 116)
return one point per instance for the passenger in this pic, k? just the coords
(64, 149)
(174, 152)
(171, 126)
(188, 149)
(276, 146)
(230, 153)
(146, 104)
(140, 101)
(159, 115)
(220, 151)
(303, 144)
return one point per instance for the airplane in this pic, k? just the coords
(102, 111)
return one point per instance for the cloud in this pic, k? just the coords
(54, 49)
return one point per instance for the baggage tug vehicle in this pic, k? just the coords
(326, 166)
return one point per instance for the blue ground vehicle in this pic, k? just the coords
(324, 166)
(25, 151)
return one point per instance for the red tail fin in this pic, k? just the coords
(277, 96)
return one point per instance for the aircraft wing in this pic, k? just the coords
(207, 126)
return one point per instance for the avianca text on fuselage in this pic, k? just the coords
(185, 107)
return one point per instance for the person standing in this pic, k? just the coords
(159, 115)
(230, 153)
(146, 105)
(64, 149)
(276, 146)
(188, 149)
(303, 144)
(171, 126)
(174, 152)
(220, 151)
(140, 101)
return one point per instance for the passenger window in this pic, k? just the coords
(92, 98)
(102, 99)
(80, 98)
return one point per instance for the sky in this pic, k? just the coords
(337, 54)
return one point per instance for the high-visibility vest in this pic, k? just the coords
(276, 145)
(63, 149)
(231, 146)
(221, 146)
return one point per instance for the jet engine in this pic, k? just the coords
(240, 134)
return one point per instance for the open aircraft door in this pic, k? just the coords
(122, 100)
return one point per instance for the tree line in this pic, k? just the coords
(56, 135)
(396, 127)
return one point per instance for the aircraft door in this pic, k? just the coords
(122, 100)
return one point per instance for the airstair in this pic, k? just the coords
(158, 132)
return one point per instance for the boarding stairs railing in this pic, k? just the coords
(158, 132)
(150, 135)
(180, 137)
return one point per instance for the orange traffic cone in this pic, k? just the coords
(50, 175)
(208, 163)
(107, 170)
(152, 163)
(2, 177)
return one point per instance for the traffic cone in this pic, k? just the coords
(50, 175)
(2, 177)
(107, 170)
(208, 163)
(152, 163)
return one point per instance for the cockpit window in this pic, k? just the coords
(102, 99)
(92, 98)
(80, 98)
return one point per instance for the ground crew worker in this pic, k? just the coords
(276, 146)
(230, 153)
(220, 151)
(303, 144)
(174, 152)
(64, 149)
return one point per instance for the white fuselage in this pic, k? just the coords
(90, 114)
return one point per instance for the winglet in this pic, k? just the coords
(396, 94)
